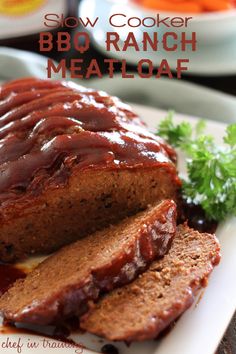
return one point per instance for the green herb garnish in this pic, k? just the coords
(211, 168)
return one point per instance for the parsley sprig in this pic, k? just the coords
(211, 168)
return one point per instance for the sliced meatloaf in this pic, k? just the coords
(142, 309)
(72, 161)
(61, 286)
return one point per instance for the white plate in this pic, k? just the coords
(210, 59)
(200, 329)
(178, 95)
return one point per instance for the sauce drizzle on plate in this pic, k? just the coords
(8, 275)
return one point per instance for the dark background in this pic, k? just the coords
(225, 84)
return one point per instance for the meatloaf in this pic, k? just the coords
(72, 161)
(61, 286)
(146, 306)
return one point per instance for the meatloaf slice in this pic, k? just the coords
(61, 285)
(72, 161)
(142, 309)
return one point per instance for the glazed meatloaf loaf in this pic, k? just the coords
(61, 286)
(72, 161)
(142, 309)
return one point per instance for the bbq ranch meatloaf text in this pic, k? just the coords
(72, 162)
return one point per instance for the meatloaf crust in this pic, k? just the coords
(72, 161)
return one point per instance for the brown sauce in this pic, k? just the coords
(196, 218)
(8, 275)
(48, 127)
(109, 349)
